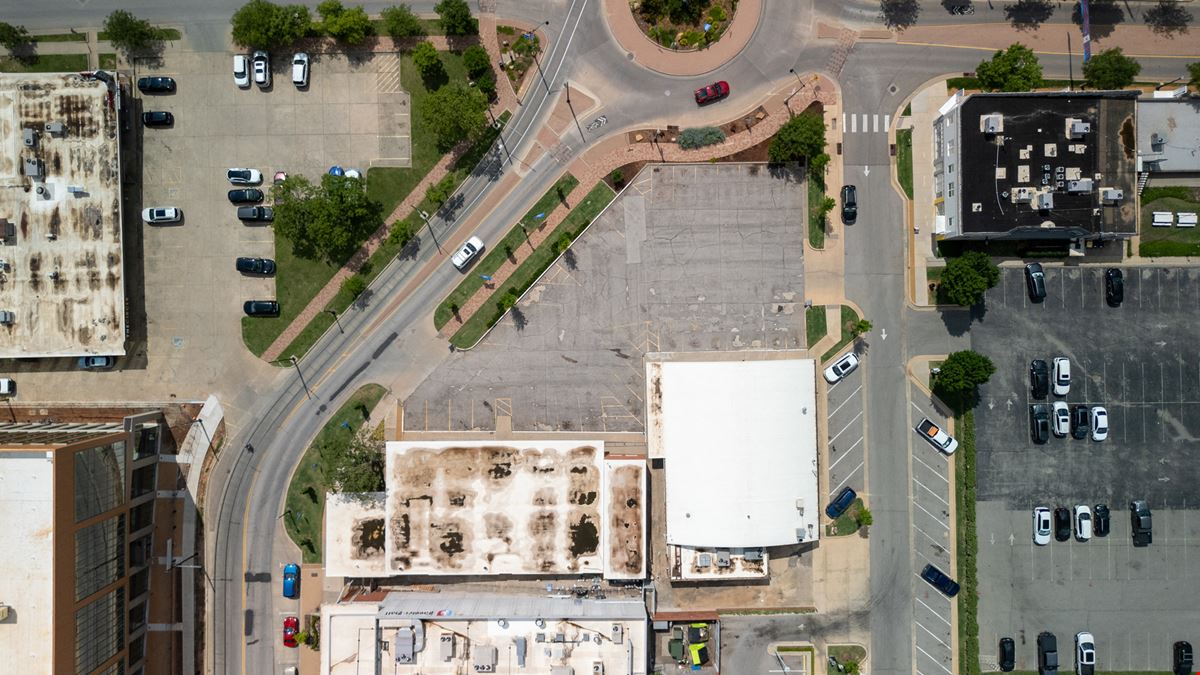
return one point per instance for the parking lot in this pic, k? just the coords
(667, 267)
(1139, 361)
(844, 422)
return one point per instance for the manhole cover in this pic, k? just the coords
(892, 89)
(629, 55)
(667, 92)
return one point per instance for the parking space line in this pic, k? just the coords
(846, 452)
(935, 612)
(852, 421)
(932, 634)
(848, 399)
(931, 492)
(935, 471)
(931, 658)
(935, 541)
(936, 518)
(852, 472)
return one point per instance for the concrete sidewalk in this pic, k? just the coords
(1135, 41)
(922, 242)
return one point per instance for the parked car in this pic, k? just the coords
(841, 368)
(241, 70)
(1039, 378)
(96, 362)
(939, 580)
(1114, 287)
(1041, 525)
(1181, 658)
(256, 213)
(1062, 376)
(1047, 653)
(841, 502)
(1081, 421)
(157, 118)
(1008, 654)
(161, 214)
(1085, 653)
(244, 176)
(1083, 522)
(300, 70)
(1039, 422)
(1101, 516)
(1035, 281)
(1061, 415)
(1141, 523)
(156, 85)
(1099, 423)
(463, 256)
(291, 625)
(849, 204)
(264, 266)
(291, 576)
(262, 69)
(1062, 523)
(245, 195)
(261, 308)
(713, 92)
(936, 436)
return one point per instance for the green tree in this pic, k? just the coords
(13, 37)
(477, 61)
(453, 113)
(129, 33)
(802, 136)
(1194, 74)
(860, 327)
(400, 22)
(960, 375)
(354, 285)
(440, 191)
(456, 17)
(352, 462)
(1110, 69)
(968, 276)
(852, 666)
(429, 63)
(865, 519)
(350, 26)
(816, 167)
(264, 25)
(326, 221)
(1012, 69)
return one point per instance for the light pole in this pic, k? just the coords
(296, 364)
(336, 320)
(500, 135)
(787, 101)
(425, 217)
(539, 63)
(567, 87)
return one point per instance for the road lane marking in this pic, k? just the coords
(931, 658)
(932, 634)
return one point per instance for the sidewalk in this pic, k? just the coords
(922, 243)
(649, 54)
(1051, 39)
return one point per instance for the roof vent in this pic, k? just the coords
(1112, 195)
(55, 128)
(991, 124)
(1044, 201)
(30, 136)
(1078, 128)
(1079, 186)
(32, 167)
(485, 659)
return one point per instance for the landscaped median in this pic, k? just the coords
(967, 545)
(529, 267)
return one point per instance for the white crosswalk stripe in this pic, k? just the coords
(866, 123)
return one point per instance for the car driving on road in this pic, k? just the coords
(463, 256)
(713, 92)
(936, 436)
(849, 204)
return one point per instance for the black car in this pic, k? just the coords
(1035, 281)
(1008, 654)
(261, 308)
(156, 85)
(256, 213)
(1039, 378)
(1081, 421)
(158, 118)
(1114, 287)
(940, 581)
(1100, 517)
(1047, 653)
(1039, 422)
(1182, 658)
(264, 266)
(1141, 523)
(1062, 523)
(245, 196)
(841, 502)
(849, 204)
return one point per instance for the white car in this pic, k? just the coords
(1061, 418)
(1041, 525)
(161, 214)
(300, 70)
(841, 368)
(1083, 522)
(1085, 653)
(1099, 423)
(1062, 376)
(262, 69)
(463, 256)
(244, 176)
(241, 70)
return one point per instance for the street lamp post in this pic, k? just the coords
(567, 88)
(336, 320)
(296, 364)
(787, 101)
(425, 217)
(500, 135)
(539, 63)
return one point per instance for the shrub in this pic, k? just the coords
(698, 137)
(717, 14)
(477, 61)
(487, 85)
(400, 22)
(354, 285)
(617, 177)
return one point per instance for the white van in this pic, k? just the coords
(300, 70)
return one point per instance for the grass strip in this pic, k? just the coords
(849, 318)
(532, 267)
(1168, 241)
(60, 37)
(163, 34)
(108, 61)
(847, 523)
(45, 63)
(904, 160)
(967, 545)
(816, 215)
(815, 326)
(503, 250)
(305, 506)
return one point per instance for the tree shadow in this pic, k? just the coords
(410, 250)
(450, 209)
(25, 54)
(435, 78)
(364, 299)
(1104, 16)
(1028, 15)
(899, 13)
(1168, 18)
(518, 317)
(570, 260)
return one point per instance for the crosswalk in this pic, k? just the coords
(865, 123)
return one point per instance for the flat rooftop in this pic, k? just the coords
(63, 272)
(1034, 150)
(739, 440)
(1169, 134)
(26, 568)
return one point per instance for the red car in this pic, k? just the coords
(290, 625)
(713, 92)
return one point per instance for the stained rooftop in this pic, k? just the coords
(62, 274)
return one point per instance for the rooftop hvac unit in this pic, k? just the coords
(1044, 201)
(1080, 186)
(3, 612)
(30, 136)
(597, 668)
(485, 659)
(446, 644)
(723, 559)
(704, 561)
(1079, 129)
(1023, 195)
(617, 634)
(1112, 195)
(7, 318)
(32, 167)
(992, 124)
(55, 128)
(404, 645)
(753, 555)
(1157, 140)
(519, 643)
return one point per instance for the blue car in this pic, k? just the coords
(291, 574)
(841, 502)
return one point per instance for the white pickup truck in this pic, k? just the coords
(936, 436)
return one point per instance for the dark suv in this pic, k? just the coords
(256, 213)
(1039, 378)
(841, 502)
(849, 204)
(156, 85)
(1140, 520)
(261, 308)
(1035, 281)
(1182, 658)
(1008, 654)
(940, 581)
(1047, 653)
(1039, 422)
(1081, 422)
(1114, 287)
